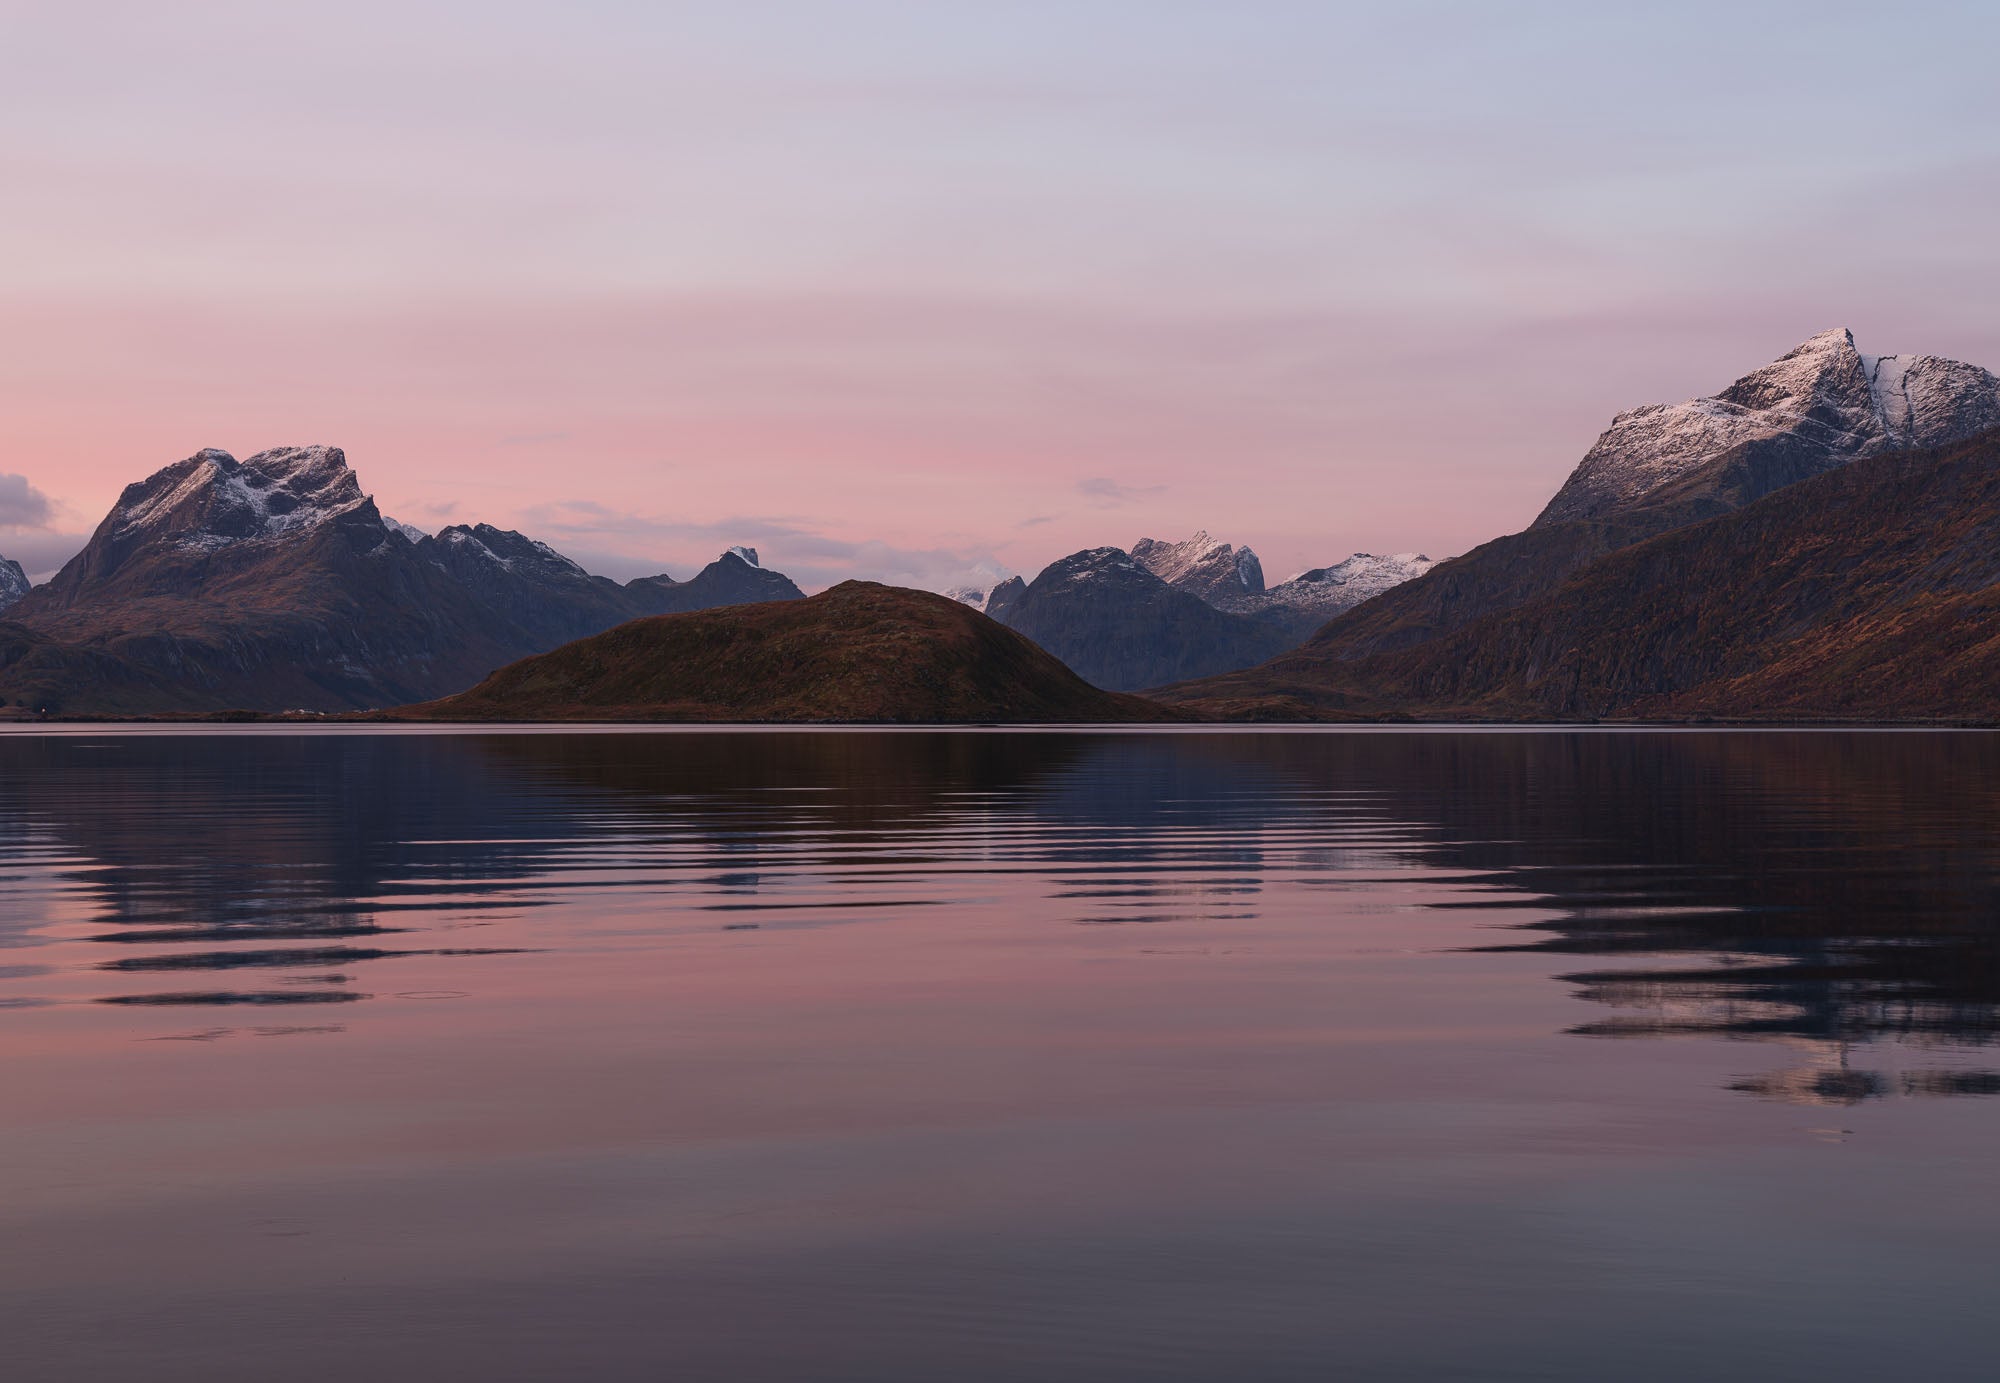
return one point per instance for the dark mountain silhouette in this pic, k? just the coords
(275, 583)
(859, 653)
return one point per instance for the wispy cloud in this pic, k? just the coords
(22, 505)
(1105, 492)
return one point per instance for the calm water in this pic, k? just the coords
(929, 1057)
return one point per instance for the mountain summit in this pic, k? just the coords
(1203, 566)
(1825, 397)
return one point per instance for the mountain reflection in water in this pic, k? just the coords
(1825, 889)
(995, 1055)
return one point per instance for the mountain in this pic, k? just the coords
(1327, 591)
(1658, 469)
(274, 583)
(1232, 579)
(13, 582)
(1123, 628)
(1871, 592)
(1824, 394)
(1204, 567)
(860, 653)
(1004, 597)
(734, 578)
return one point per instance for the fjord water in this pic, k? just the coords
(999, 1055)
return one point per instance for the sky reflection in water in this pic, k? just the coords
(989, 1055)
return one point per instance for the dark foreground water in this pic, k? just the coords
(940, 1057)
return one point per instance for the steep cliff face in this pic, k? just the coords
(274, 583)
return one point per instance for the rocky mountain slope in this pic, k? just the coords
(1870, 592)
(13, 582)
(1123, 628)
(859, 653)
(274, 583)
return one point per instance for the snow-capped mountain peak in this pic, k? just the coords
(1329, 590)
(211, 499)
(1202, 565)
(1824, 395)
(748, 554)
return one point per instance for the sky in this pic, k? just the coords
(929, 292)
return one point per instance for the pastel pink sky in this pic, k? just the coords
(929, 292)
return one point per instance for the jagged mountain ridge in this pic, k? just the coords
(1232, 578)
(1824, 393)
(1203, 566)
(274, 583)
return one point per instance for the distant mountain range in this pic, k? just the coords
(1165, 611)
(274, 583)
(1816, 540)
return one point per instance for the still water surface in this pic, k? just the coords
(999, 1056)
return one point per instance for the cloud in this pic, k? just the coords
(1107, 492)
(22, 505)
(40, 551)
(1037, 521)
(628, 545)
